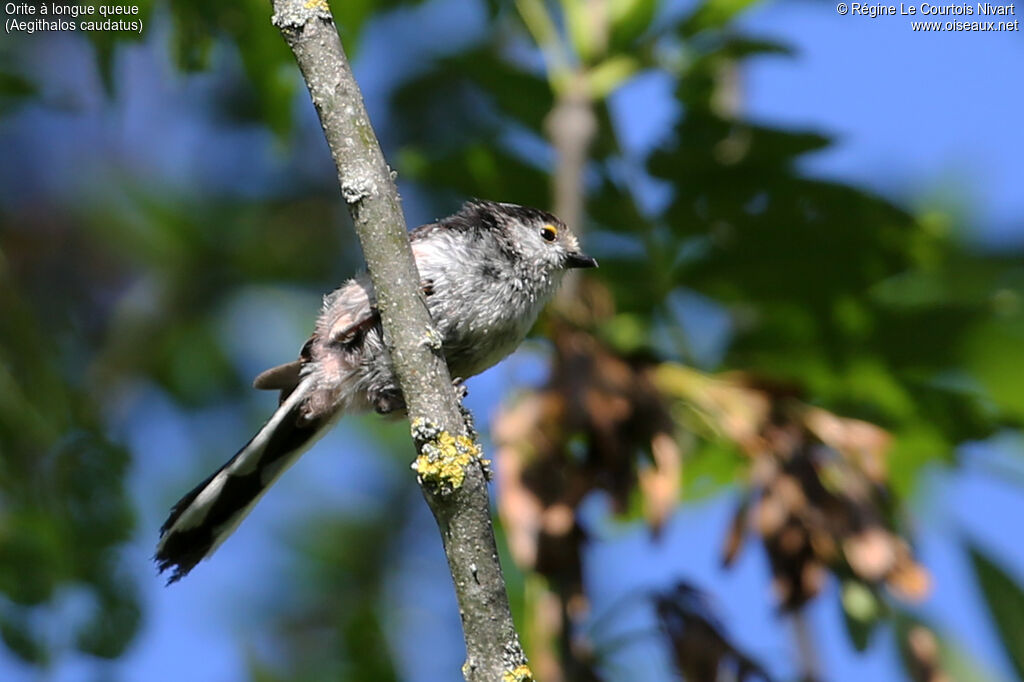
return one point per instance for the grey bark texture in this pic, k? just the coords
(452, 473)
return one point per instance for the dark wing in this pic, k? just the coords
(348, 329)
(351, 333)
(286, 377)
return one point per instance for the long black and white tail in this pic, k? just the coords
(207, 515)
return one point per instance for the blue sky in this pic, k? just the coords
(915, 114)
(918, 117)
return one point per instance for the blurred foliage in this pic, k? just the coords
(840, 303)
(1005, 600)
(198, 26)
(64, 510)
(930, 657)
(864, 343)
(332, 627)
(185, 271)
(127, 286)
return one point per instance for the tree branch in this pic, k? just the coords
(571, 126)
(451, 470)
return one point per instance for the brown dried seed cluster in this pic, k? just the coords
(599, 424)
(818, 495)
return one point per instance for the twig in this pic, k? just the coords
(571, 126)
(806, 648)
(452, 473)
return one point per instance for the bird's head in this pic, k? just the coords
(539, 238)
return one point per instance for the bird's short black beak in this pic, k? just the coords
(575, 259)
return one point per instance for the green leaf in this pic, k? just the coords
(467, 97)
(712, 467)
(580, 20)
(862, 611)
(629, 20)
(610, 75)
(14, 89)
(18, 636)
(993, 354)
(714, 14)
(913, 448)
(480, 170)
(109, 632)
(1005, 600)
(952, 659)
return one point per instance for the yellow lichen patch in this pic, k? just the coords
(520, 674)
(443, 458)
(465, 444)
(318, 5)
(443, 467)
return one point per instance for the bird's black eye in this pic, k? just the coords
(549, 232)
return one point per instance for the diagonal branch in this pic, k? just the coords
(451, 470)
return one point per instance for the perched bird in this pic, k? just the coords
(485, 272)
